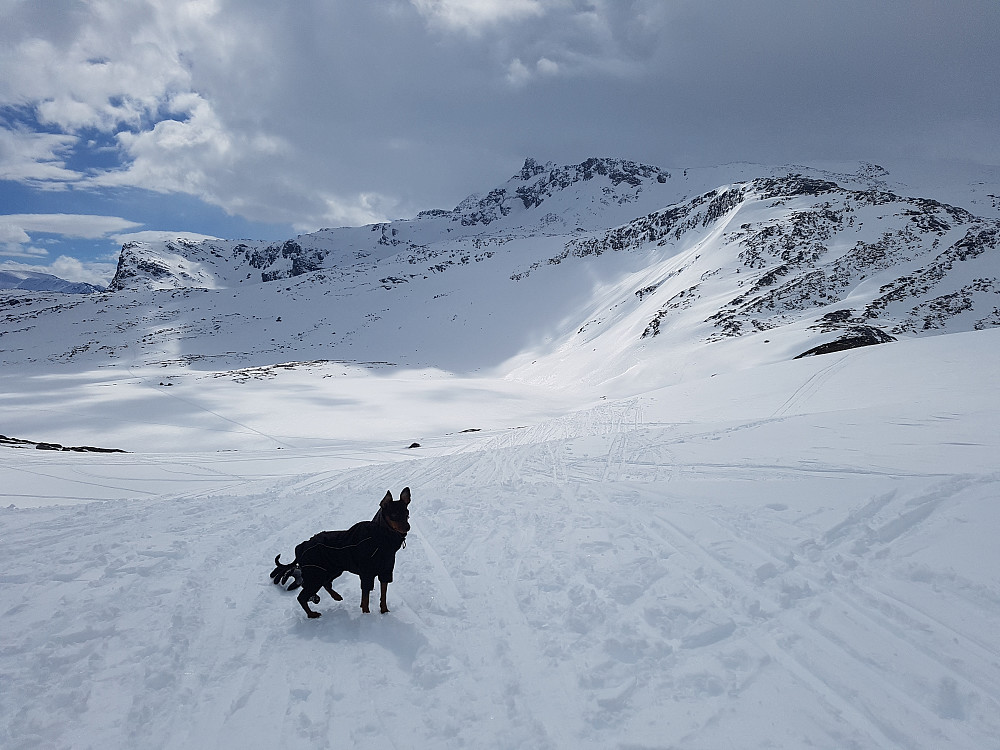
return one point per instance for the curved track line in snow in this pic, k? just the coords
(812, 384)
(734, 587)
(169, 393)
(52, 476)
(883, 681)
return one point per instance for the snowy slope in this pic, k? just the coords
(801, 555)
(639, 521)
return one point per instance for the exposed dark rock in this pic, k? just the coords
(792, 185)
(679, 301)
(131, 265)
(544, 181)
(855, 337)
(43, 446)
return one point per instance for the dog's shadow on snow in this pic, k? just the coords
(340, 627)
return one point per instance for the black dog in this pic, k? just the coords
(367, 549)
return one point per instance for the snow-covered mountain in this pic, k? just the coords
(607, 268)
(43, 282)
(641, 517)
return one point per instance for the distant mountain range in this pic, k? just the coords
(44, 282)
(564, 272)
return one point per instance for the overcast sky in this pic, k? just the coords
(264, 118)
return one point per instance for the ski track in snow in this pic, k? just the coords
(565, 585)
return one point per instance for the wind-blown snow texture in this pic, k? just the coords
(638, 520)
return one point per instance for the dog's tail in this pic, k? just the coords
(283, 572)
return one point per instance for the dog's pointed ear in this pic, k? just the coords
(404, 496)
(386, 500)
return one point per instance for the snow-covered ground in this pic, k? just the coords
(798, 554)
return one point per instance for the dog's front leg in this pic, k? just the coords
(364, 601)
(383, 607)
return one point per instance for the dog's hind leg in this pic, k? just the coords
(307, 594)
(313, 579)
(337, 597)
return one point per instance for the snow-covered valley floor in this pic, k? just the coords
(798, 555)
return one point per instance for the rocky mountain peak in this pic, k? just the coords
(619, 181)
(168, 265)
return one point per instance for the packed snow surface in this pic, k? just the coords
(798, 554)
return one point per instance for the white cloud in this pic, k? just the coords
(84, 226)
(547, 67)
(70, 269)
(67, 268)
(156, 235)
(18, 250)
(116, 65)
(176, 154)
(474, 15)
(196, 154)
(356, 210)
(35, 158)
(12, 233)
(16, 231)
(519, 74)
